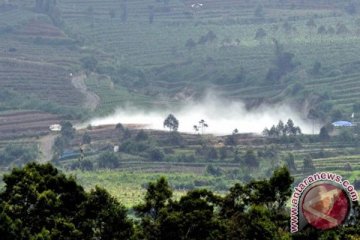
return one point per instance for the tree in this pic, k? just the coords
(171, 122)
(156, 154)
(141, 136)
(212, 154)
(283, 63)
(119, 127)
(67, 130)
(86, 138)
(89, 63)
(257, 210)
(39, 202)
(290, 162)
(158, 194)
(104, 217)
(214, 171)
(202, 125)
(308, 165)
(108, 160)
(250, 159)
(280, 128)
(324, 134)
(290, 128)
(17, 155)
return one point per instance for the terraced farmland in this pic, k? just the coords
(25, 124)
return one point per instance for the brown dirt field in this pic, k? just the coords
(26, 124)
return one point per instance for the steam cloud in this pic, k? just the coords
(222, 116)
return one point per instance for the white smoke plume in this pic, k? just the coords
(222, 117)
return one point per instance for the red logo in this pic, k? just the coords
(325, 206)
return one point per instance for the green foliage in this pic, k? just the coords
(59, 146)
(86, 138)
(67, 130)
(324, 134)
(175, 139)
(156, 154)
(17, 155)
(157, 196)
(215, 171)
(290, 162)
(38, 202)
(289, 129)
(308, 165)
(283, 63)
(141, 136)
(89, 63)
(250, 159)
(171, 122)
(108, 160)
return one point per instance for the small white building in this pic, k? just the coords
(116, 148)
(55, 128)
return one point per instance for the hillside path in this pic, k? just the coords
(46, 144)
(91, 99)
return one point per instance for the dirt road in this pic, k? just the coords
(91, 99)
(46, 144)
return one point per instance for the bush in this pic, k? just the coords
(85, 165)
(214, 171)
(89, 63)
(134, 147)
(141, 136)
(108, 160)
(212, 154)
(17, 155)
(176, 139)
(185, 158)
(156, 154)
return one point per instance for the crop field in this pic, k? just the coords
(159, 49)
(128, 187)
(25, 124)
(136, 169)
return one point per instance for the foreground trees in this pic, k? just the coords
(39, 202)
(252, 211)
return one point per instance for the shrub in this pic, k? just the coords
(156, 154)
(108, 160)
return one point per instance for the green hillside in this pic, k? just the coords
(162, 52)
(152, 52)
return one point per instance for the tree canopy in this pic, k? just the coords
(39, 202)
(171, 122)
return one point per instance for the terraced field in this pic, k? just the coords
(159, 50)
(25, 124)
